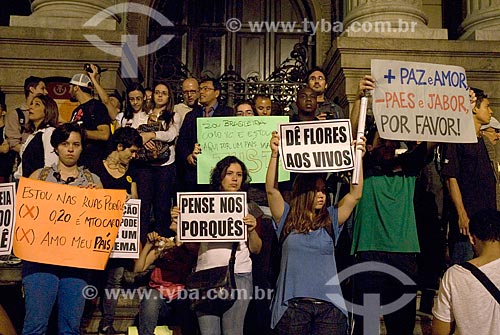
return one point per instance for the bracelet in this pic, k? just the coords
(274, 156)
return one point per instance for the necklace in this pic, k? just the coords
(114, 164)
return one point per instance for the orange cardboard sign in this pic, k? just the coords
(66, 225)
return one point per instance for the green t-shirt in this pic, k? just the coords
(384, 217)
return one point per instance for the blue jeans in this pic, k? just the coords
(154, 308)
(312, 318)
(41, 291)
(231, 322)
(150, 310)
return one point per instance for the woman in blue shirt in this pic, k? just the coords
(303, 302)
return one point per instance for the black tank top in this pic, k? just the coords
(110, 182)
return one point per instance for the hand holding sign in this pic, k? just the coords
(422, 102)
(317, 146)
(212, 217)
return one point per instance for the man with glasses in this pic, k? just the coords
(188, 147)
(190, 96)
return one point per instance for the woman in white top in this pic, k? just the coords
(229, 175)
(135, 113)
(37, 151)
(155, 171)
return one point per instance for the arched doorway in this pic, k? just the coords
(204, 46)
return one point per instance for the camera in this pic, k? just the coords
(330, 116)
(88, 69)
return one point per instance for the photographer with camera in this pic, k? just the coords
(93, 116)
(112, 102)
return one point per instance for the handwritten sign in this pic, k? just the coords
(422, 102)
(7, 216)
(66, 225)
(127, 241)
(212, 216)
(246, 137)
(316, 146)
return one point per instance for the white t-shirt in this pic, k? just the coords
(213, 254)
(463, 299)
(138, 119)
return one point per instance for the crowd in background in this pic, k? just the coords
(412, 211)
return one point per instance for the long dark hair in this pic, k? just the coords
(303, 217)
(167, 113)
(129, 111)
(220, 170)
(51, 118)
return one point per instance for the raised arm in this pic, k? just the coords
(94, 77)
(365, 84)
(349, 201)
(274, 197)
(153, 248)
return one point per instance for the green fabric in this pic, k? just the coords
(385, 217)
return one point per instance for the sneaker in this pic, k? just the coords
(109, 330)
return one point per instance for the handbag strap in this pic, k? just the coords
(487, 283)
(232, 259)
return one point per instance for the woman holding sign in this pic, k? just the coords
(307, 229)
(229, 175)
(43, 284)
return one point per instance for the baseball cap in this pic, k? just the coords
(81, 79)
(493, 124)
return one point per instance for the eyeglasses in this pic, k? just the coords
(189, 92)
(320, 78)
(161, 92)
(206, 88)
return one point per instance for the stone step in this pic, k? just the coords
(127, 310)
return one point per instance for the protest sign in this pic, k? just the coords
(316, 146)
(246, 137)
(66, 225)
(422, 102)
(7, 216)
(127, 241)
(212, 216)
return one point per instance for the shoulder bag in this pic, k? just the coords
(211, 290)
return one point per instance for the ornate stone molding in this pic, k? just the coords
(482, 21)
(389, 18)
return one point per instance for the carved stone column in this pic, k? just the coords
(389, 18)
(482, 21)
(66, 14)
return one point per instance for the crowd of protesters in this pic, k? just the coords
(413, 199)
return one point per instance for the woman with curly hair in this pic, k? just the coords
(229, 175)
(308, 229)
